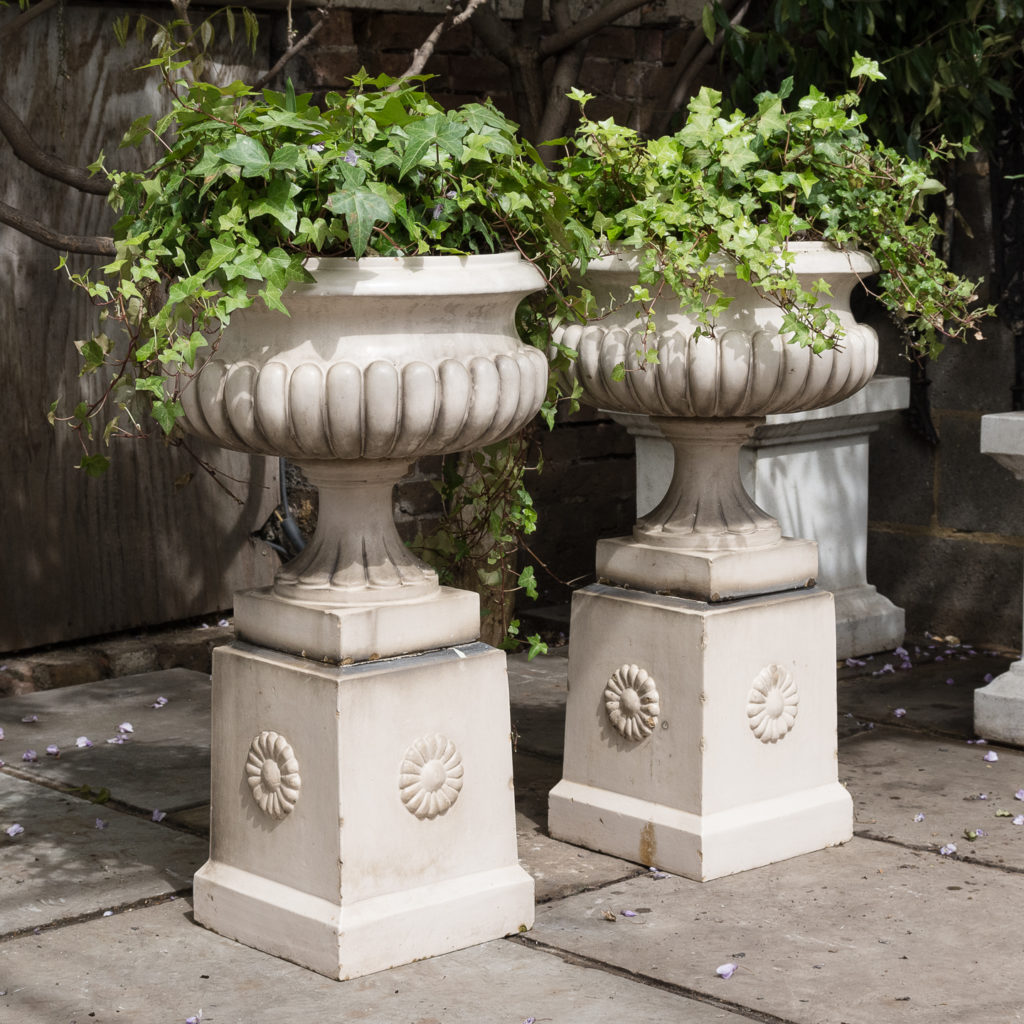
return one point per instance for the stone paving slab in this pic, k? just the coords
(62, 866)
(154, 966)
(537, 692)
(894, 775)
(166, 762)
(860, 934)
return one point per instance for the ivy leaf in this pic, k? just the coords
(94, 465)
(864, 68)
(248, 155)
(278, 203)
(707, 22)
(434, 131)
(361, 209)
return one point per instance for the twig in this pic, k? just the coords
(296, 47)
(15, 25)
(90, 245)
(452, 17)
(27, 149)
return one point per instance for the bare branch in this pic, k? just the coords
(296, 47)
(496, 35)
(90, 245)
(611, 11)
(27, 149)
(15, 25)
(566, 74)
(695, 55)
(452, 17)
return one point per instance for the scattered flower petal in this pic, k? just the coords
(29, 755)
(108, 913)
(117, 739)
(1019, 795)
(901, 652)
(1019, 820)
(83, 741)
(991, 756)
(126, 727)
(159, 702)
(1, 732)
(159, 815)
(947, 849)
(197, 1019)
(887, 667)
(100, 823)
(14, 830)
(919, 817)
(988, 677)
(223, 622)
(350, 157)
(900, 712)
(53, 750)
(30, 718)
(727, 970)
(950, 681)
(628, 913)
(851, 662)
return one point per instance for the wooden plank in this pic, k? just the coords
(82, 557)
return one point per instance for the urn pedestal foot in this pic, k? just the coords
(700, 737)
(363, 814)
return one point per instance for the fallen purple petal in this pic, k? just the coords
(901, 652)
(1019, 795)
(159, 702)
(197, 1019)
(628, 913)
(30, 718)
(1019, 820)
(727, 970)
(900, 712)
(851, 662)
(918, 817)
(53, 750)
(108, 913)
(1, 733)
(159, 815)
(83, 741)
(530, 1020)
(100, 823)
(14, 830)
(117, 739)
(991, 756)
(988, 677)
(947, 849)
(29, 755)
(125, 727)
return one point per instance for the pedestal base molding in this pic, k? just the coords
(708, 575)
(445, 618)
(363, 815)
(999, 707)
(867, 621)
(701, 738)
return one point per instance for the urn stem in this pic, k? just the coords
(356, 555)
(706, 506)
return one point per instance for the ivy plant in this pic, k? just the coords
(732, 190)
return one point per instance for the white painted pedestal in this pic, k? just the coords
(363, 813)
(809, 470)
(999, 706)
(727, 760)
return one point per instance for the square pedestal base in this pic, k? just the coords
(708, 575)
(701, 738)
(363, 815)
(349, 633)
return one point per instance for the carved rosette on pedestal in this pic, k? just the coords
(379, 855)
(721, 607)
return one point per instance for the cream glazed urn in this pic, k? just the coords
(700, 731)
(362, 806)
(707, 395)
(380, 362)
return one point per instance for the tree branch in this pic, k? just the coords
(89, 245)
(611, 11)
(27, 149)
(496, 35)
(452, 17)
(695, 55)
(15, 25)
(296, 47)
(566, 74)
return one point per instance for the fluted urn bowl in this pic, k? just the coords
(708, 393)
(380, 362)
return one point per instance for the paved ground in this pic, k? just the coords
(95, 919)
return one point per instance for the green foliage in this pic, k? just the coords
(734, 189)
(951, 67)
